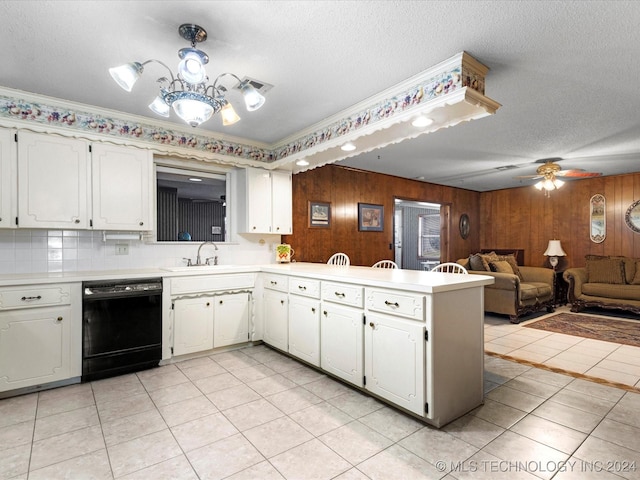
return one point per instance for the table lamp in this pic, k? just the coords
(553, 251)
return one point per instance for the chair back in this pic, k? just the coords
(449, 267)
(385, 264)
(340, 259)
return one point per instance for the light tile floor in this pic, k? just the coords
(256, 414)
(605, 360)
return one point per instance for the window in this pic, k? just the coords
(191, 205)
(429, 236)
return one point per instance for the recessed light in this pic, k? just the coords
(422, 121)
(302, 163)
(194, 179)
(348, 147)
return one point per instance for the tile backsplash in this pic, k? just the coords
(35, 251)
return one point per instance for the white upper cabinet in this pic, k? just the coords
(53, 181)
(281, 203)
(121, 187)
(8, 165)
(264, 201)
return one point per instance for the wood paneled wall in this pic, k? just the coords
(344, 188)
(513, 218)
(525, 218)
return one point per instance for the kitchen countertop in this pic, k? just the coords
(427, 282)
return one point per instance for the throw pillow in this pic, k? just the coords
(501, 266)
(605, 270)
(475, 262)
(628, 263)
(487, 258)
(511, 259)
(636, 279)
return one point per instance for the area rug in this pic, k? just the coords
(625, 332)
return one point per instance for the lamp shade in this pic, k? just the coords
(127, 75)
(554, 249)
(252, 99)
(229, 115)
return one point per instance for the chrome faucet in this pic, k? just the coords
(215, 259)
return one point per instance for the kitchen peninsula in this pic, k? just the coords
(413, 339)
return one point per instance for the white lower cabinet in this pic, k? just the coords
(341, 342)
(230, 319)
(39, 335)
(193, 325)
(276, 312)
(304, 329)
(395, 360)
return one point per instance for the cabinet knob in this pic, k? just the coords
(59, 319)
(141, 223)
(220, 302)
(313, 310)
(277, 228)
(372, 325)
(77, 220)
(208, 304)
(281, 302)
(325, 313)
(253, 228)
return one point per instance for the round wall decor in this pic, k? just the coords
(632, 217)
(464, 225)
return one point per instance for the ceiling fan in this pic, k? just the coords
(549, 170)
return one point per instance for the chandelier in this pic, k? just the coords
(187, 92)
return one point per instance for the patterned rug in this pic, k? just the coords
(626, 332)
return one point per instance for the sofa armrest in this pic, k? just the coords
(537, 274)
(576, 277)
(503, 281)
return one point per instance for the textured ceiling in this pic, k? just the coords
(566, 73)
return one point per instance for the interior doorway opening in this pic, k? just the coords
(420, 234)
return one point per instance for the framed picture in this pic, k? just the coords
(319, 214)
(370, 217)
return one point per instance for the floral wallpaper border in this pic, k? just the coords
(440, 84)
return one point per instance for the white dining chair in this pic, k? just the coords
(340, 259)
(449, 267)
(385, 264)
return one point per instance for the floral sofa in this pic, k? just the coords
(518, 289)
(606, 282)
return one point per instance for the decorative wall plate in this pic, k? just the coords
(632, 217)
(464, 225)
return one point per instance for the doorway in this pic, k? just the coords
(421, 234)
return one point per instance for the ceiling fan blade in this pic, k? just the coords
(529, 176)
(577, 173)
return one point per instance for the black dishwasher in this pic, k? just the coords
(121, 327)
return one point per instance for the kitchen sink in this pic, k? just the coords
(203, 268)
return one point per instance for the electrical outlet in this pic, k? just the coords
(122, 249)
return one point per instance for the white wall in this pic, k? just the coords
(41, 251)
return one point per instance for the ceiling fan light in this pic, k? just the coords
(229, 115)
(160, 107)
(194, 112)
(127, 75)
(539, 185)
(252, 98)
(548, 184)
(558, 183)
(191, 68)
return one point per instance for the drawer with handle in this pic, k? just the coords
(352, 295)
(396, 303)
(34, 296)
(276, 282)
(304, 286)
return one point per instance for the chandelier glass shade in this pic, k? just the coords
(549, 183)
(188, 93)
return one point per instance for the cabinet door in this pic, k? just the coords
(230, 319)
(304, 329)
(394, 360)
(276, 319)
(53, 181)
(281, 205)
(341, 342)
(121, 187)
(8, 180)
(258, 201)
(34, 347)
(192, 325)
